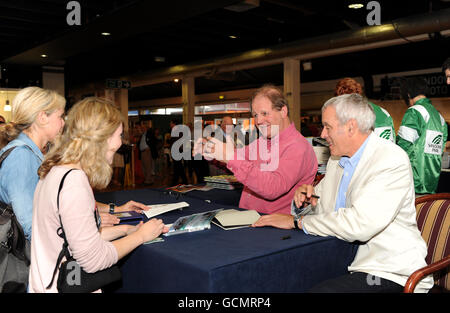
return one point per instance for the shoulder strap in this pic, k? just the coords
(60, 232)
(7, 152)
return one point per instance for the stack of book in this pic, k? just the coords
(227, 182)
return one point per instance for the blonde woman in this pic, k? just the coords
(36, 119)
(92, 136)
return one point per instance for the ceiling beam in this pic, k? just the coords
(417, 27)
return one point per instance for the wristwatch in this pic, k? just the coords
(112, 206)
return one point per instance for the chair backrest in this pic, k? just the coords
(433, 220)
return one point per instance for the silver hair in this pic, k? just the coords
(353, 106)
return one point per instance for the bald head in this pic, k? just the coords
(227, 120)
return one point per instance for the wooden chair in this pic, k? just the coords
(433, 220)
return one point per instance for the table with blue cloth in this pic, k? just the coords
(215, 260)
(220, 196)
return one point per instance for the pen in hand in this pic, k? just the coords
(313, 196)
(307, 202)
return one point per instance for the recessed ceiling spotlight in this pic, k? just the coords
(232, 37)
(159, 59)
(176, 80)
(43, 55)
(106, 34)
(355, 6)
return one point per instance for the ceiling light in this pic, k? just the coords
(221, 97)
(106, 34)
(355, 6)
(159, 59)
(43, 55)
(176, 80)
(232, 37)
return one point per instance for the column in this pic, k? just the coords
(292, 89)
(188, 96)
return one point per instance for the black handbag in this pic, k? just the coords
(14, 249)
(72, 278)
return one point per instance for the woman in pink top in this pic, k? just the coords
(92, 136)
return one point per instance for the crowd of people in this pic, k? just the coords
(367, 194)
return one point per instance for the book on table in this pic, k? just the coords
(192, 223)
(234, 219)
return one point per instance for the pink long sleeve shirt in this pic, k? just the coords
(270, 176)
(77, 207)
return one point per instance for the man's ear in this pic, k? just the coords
(352, 126)
(284, 111)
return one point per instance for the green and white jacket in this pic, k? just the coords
(423, 134)
(384, 125)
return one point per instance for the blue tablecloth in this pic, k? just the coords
(243, 260)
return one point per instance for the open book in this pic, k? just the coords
(233, 219)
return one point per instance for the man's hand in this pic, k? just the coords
(216, 149)
(284, 221)
(304, 194)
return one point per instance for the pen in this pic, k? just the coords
(314, 196)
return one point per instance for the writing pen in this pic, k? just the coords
(313, 196)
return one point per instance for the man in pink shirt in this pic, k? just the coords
(272, 167)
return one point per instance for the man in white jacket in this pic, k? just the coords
(367, 195)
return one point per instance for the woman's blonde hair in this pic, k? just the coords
(25, 108)
(89, 125)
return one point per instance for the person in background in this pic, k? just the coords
(157, 154)
(422, 134)
(446, 70)
(384, 125)
(270, 178)
(224, 132)
(367, 196)
(146, 155)
(178, 167)
(200, 165)
(2, 120)
(86, 149)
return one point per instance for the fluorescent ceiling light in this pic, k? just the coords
(355, 6)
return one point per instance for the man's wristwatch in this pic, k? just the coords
(112, 206)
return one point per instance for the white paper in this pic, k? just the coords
(157, 209)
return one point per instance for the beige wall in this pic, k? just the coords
(6, 94)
